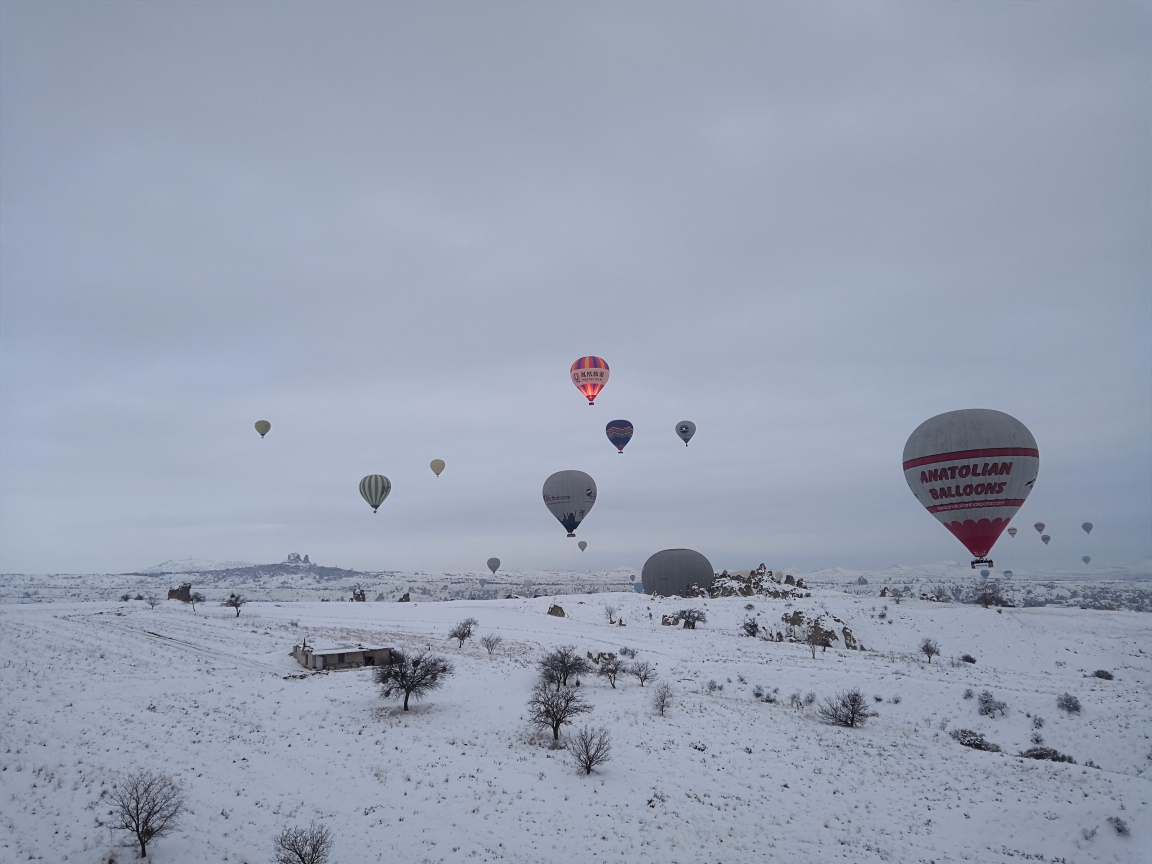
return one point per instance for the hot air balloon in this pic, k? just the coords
(1011, 532)
(375, 488)
(1045, 538)
(972, 470)
(569, 495)
(1039, 526)
(583, 544)
(1007, 574)
(493, 565)
(1087, 526)
(1087, 559)
(619, 432)
(983, 574)
(263, 427)
(437, 465)
(638, 587)
(589, 374)
(685, 429)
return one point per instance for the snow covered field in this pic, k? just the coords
(92, 688)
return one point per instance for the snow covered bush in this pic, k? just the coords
(692, 617)
(590, 748)
(975, 740)
(311, 845)
(642, 670)
(492, 642)
(1118, 825)
(848, 709)
(1049, 754)
(968, 694)
(662, 697)
(810, 697)
(929, 648)
(462, 631)
(1102, 673)
(411, 675)
(146, 804)
(751, 627)
(989, 704)
(562, 663)
(713, 687)
(625, 651)
(1068, 702)
(796, 701)
(555, 708)
(967, 658)
(1037, 722)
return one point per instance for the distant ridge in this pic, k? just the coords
(191, 565)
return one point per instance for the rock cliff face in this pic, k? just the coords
(759, 582)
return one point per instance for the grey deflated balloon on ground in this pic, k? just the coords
(685, 429)
(375, 488)
(671, 571)
(569, 495)
(493, 565)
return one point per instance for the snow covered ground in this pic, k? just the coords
(93, 688)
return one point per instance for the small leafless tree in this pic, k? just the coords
(562, 663)
(462, 631)
(816, 637)
(751, 627)
(848, 709)
(610, 613)
(152, 600)
(311, 845)
(194, 598)
(590, 748)
(692, 617)
(412, 675)
(611, 668)
(146, 804)
(235, 601)
(929, 649)
(643, 671)
(662, 697)
(555, 708)
(989, 705)
(492, 642)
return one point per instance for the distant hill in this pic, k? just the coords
(191, 565)
(239, 572)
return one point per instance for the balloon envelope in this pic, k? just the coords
(1007, 574)
(263, 427)
(1011, 532)
(685, 429)
(972, 470)
(569, 495)
(1087, 526)
(1045, 538)
(983, 574)
(493, 565)
(619, 432)
(375, 488)
(1087, 559)
(589, 374)
(1039, 526)
(639, 587)
(437, 465)
(583, 544)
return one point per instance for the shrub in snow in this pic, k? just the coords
(1037, 739)
(555, 708)
(848, 709)
(795, 701)
(146, 804)
(234, 601)
(611, 668)
(662, 697)
(1119, 825)
(411, 675)
(1068, 702)
(625, 651)
(124, 598)
(692, 617)
(967, 658)
(929, 648)
(989, 704)
(968, 694)
(1102, 673)
(562, 663)
(1049, 754)
(975, 740)
(590, 748)
(1088, 835)
(713, 686)
(878, 698)
(311, 845)
(758, 691)
(810, 697)
(492, 642)
(748, 607)
(139, 597)
(895, 700)
(462, 631)
(642, 670)
(1037, 722)
(817, 637)
(751, 627)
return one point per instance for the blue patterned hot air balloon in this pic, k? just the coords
(619, 432)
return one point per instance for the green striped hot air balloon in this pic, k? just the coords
(375, 488)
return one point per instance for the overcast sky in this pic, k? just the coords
(389, 229)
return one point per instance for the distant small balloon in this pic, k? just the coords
(983, 574)
(483, 582)
(1011, 532)
(263, 427)
(437, 465)
(1007, 574)
(493, 565)
(1045, 538)
(1087, 526)
(583, 544)
(639, 587)
(685, 429)
(1087, 559)
(1039, 526)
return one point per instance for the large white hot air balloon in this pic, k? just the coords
(972, 470)
(569, 495)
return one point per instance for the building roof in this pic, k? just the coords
(325, 648)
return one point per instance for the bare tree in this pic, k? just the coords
(816, 636)
(849, 709)
(562, 663)
(610, 613)
(235, 601)
(146, 804)
(692, 617)
(611, 668)
(311, 845)
(554, 708)
(194, 598)
(412, 675)
(751, 626)
(929, 648)
(590, 748)
(152, 600)
(643, 671)
(462, 631)
(662, 697)
(492, 642)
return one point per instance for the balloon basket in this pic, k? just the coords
(983, 562)
(571, 535)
